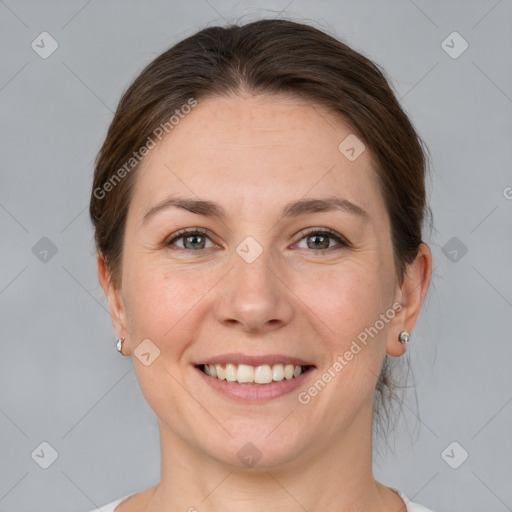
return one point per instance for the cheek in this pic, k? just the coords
(162, 307)
(346, 307)
(345, 300)
(162, 303)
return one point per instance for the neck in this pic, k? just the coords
(337, 471)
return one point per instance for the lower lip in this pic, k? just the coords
(254, 392)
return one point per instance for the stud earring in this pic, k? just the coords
(404, 337)
(119, 345)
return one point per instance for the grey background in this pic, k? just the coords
(61, 379)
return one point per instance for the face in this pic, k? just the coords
(277, 279)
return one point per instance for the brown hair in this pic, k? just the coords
(269, 57)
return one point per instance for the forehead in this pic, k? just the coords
(255, 153)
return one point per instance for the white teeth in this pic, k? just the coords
(263, 374)
(278, 372)
(221, 373)
(230, 372)
(247, 374)
(288, 371)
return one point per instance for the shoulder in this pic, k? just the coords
(110, 507)
(137, 501)
(411, 506)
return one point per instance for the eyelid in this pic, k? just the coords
(342, 241)
(340, 238)
(187, 232)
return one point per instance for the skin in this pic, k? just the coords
(253, 154)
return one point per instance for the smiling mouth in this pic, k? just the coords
(248, 374)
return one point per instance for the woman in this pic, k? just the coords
(258, 204)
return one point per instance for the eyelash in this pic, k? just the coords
(343, 243)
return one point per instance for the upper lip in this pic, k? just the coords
(253, 360)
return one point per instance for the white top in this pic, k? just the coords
(411, 507)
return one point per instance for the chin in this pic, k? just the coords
(255, 452)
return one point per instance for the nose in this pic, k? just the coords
(255, 298)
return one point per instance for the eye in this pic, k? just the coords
(319, 240)
(193, 240)
(196, 240)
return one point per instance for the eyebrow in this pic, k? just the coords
(293, 209)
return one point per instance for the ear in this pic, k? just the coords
(115, 300)
(413, 291)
